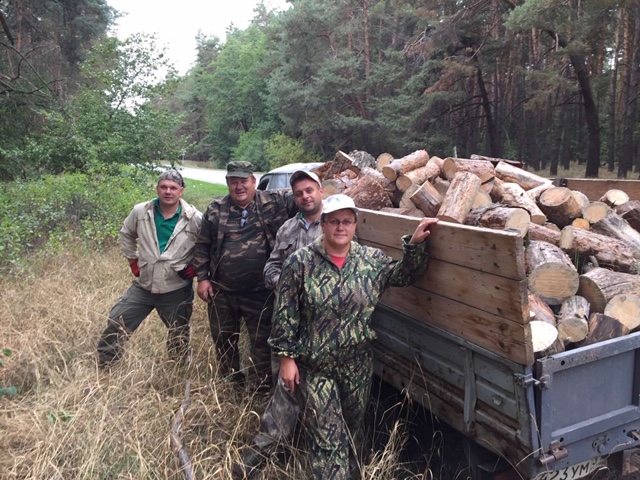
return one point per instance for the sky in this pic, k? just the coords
(176, 24)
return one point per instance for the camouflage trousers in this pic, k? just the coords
(335, 403)
(225, 313)
(174, 309)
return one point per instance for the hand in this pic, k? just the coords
(188, 272)
(289, 373)
(423, 230)
(135, 268)
(205, 290)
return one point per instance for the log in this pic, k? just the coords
(483, 169)
(544, 234)
(418, 176)
(388, 185)
(595, 211)
(614, 197)
(495, 161)
(383, 160)
(367, 192)
(559, 205)
(534, 193)
(340, 163)
(573, 320)
(333, 186)
(581, 223)
(609, 252)
(482, 199)
(626, 309)
(361, 159)
(427, 199)
(600, 285)
(510, 174)
(441, 185)
(603, 327)
(550, 273)
(545, 338)
(405, 198)
(405, 164)
(538, 310)
(630, 211)
(513, 195)
(459, 198)
(613, 225)
(487, 186)
(581, 198)
(499, 217)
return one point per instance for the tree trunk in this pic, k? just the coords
(459, 198)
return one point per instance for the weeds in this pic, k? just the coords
(70, 420)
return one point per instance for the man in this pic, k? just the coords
(158, 240)
(321, 330)
(237, 235)
(281, 413)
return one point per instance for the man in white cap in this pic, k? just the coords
(321, 329)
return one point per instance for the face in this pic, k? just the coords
(169, 193)
(308, 197)
(338, 237)
(242, 190)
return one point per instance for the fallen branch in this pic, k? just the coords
(176, 442)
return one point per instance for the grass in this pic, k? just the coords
(70, 420)
(200, 193)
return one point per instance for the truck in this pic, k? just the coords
(458, 342)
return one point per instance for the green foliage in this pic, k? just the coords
(281, 150)
(251, 147)
(48, 213)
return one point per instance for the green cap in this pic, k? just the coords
(240, 169)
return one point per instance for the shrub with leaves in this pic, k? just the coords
(45, 214)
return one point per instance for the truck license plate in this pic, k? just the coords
(574, 471)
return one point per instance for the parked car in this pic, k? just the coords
(278, 178)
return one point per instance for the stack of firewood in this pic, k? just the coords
(582, 257)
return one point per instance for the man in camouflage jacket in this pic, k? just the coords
(281, 414)
(321, 330)
(237, 235)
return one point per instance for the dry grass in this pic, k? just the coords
(70, 420)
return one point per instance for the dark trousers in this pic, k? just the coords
(174, 308)
(225, 312)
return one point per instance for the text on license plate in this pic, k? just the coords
(574, 471)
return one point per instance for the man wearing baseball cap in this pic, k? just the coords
(238, 234)
(281, 414)
(158, 240)
(321, 329)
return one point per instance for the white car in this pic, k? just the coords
(278, 178)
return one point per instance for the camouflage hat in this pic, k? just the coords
(172, 175)
(240, 169)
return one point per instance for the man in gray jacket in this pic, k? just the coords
(158, 240)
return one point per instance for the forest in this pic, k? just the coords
(549, 83)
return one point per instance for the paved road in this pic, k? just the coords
(208, 175)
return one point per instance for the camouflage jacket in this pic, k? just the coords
(292, 236)
(323, 313)
(228, 251)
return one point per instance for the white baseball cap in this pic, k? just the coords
(300, 174)
(338, 202)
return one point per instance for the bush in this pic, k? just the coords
(45, 214)
(283, 150)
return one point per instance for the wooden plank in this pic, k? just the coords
(496, 334)
(491, 251)
(594, 188)
(494, 294)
